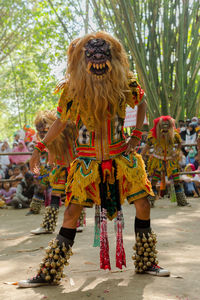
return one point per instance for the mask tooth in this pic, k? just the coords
(109, 65)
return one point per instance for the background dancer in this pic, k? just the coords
(164, 160)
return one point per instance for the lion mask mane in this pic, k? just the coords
(97, 98)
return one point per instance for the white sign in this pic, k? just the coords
(130, 119)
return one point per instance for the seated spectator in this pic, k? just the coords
(24, 192)
(24, 169)
(9, 173)
(20, 159)
(17, 175)
(7, 192)
(190, 187)
(190, 158)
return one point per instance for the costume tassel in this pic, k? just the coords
(96, 242)
(120, 253)
(122, 221)
(172, 192)
(104, 246)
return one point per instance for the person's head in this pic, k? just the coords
(10, 172)
(191, 127)
(24, 169)
(6, 185)
(44, 119)
(16, 171)
(30, 146)
(194, 119)
(15, 144)
(188, 121)
(29, 178)
(181, 123)
(16, 137)
(21, 145)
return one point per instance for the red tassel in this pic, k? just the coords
(104, 246)
(120, 253)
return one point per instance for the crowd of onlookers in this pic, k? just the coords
(190, 160)
(14, 169)
(21, 182)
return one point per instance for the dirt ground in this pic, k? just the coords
(178, 231)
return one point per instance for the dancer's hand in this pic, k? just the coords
(132, 144)
(35, 162)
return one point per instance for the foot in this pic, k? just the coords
(40, 230)
(36, 281)
(30, 212)
(184, 204)
(79, 229)
(157, 271)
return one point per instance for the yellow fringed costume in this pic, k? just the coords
(162, 158)
(100, 146)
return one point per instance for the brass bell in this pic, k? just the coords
(138, 239)
(144, 268)
(148, 249)
(146, 254)
(140, 264)
(53, 271)
(144, 239)
(47, 278)
(133, 257)
(56, 256)
(148, 264)
(150, 239)
(145, 259)
(151, 259)
(146, 245)
(139, 244)
(137, 257)
(53, 264)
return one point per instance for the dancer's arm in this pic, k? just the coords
(56, 128)
(139, 123)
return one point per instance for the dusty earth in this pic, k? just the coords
(178, 231)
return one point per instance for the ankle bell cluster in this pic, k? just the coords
(57, 256)
(36, 205)
(50, 218)
(145, 252)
